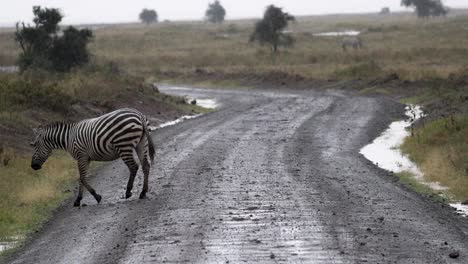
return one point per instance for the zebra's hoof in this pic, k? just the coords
(77, 203)
(98, 198)
(143, 195)
(128, 195)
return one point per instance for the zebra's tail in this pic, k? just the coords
(150, 140)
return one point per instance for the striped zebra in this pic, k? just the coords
(114, 135)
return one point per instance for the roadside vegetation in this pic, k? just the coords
(440, 148)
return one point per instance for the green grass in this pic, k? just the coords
(27, 197)
(408, 179)
(440, 148)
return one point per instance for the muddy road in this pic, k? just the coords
(268, 178)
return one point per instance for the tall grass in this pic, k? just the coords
(402, 44)
(28, 197)
(440, 148)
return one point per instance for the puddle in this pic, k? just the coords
(9, 243)
(207, 103)
(461, 208)
(338, 33)
(174, 122)
(6, 245)
(9, 69)
(384, 152)
(204, 102)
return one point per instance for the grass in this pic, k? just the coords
(408, 179)
(414, 49)
(440, 148)
(27, 197)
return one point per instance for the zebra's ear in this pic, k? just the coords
(34, 131)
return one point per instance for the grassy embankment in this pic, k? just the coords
(440, 148)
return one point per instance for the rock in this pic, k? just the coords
(454, 254)
(465, 202)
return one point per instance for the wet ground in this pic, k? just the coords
(268, 178)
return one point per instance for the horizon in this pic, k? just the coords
(123, 12)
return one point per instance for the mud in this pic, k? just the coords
(268, 178)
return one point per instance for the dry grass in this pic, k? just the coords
(27, 197)
(441, 150)
(402, 44)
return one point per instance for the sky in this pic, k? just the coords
(114, 11)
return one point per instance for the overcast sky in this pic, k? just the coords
(111, 11)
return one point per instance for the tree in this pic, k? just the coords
(42, 47)
(215, 12)
(148, 16)
(70, 50)
(385, 11)
(270, 30)
(426, 8)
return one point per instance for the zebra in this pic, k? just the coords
(354, 42)
(106, 138)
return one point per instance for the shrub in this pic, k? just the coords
(42, 46)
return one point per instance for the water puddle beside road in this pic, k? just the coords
(9, 243)
(207, 103)
(174, 122)
(384, 152)
(9, 69)
(203, 102)
(338, 33)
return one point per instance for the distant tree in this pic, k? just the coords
(148, 16)
(426, 8)
(43, 47)
(385, 11)
(270, 30)
(215, 12)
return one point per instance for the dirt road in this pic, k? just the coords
(269, 178)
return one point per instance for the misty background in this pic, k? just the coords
(118, 11)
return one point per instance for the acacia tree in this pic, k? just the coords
(148, 16)
(426, 8)
(215, 12)
(42, 47)
(270, 30)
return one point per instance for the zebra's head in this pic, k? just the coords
(42, 149)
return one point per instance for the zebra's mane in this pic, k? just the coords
(55, 124)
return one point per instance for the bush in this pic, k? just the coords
(270, 30)
(27, 91)
(42, 47)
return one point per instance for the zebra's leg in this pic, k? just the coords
(126, 154)
(143, 156)
(80, 195)
(83, 168)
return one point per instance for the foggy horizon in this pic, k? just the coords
(127, 12)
